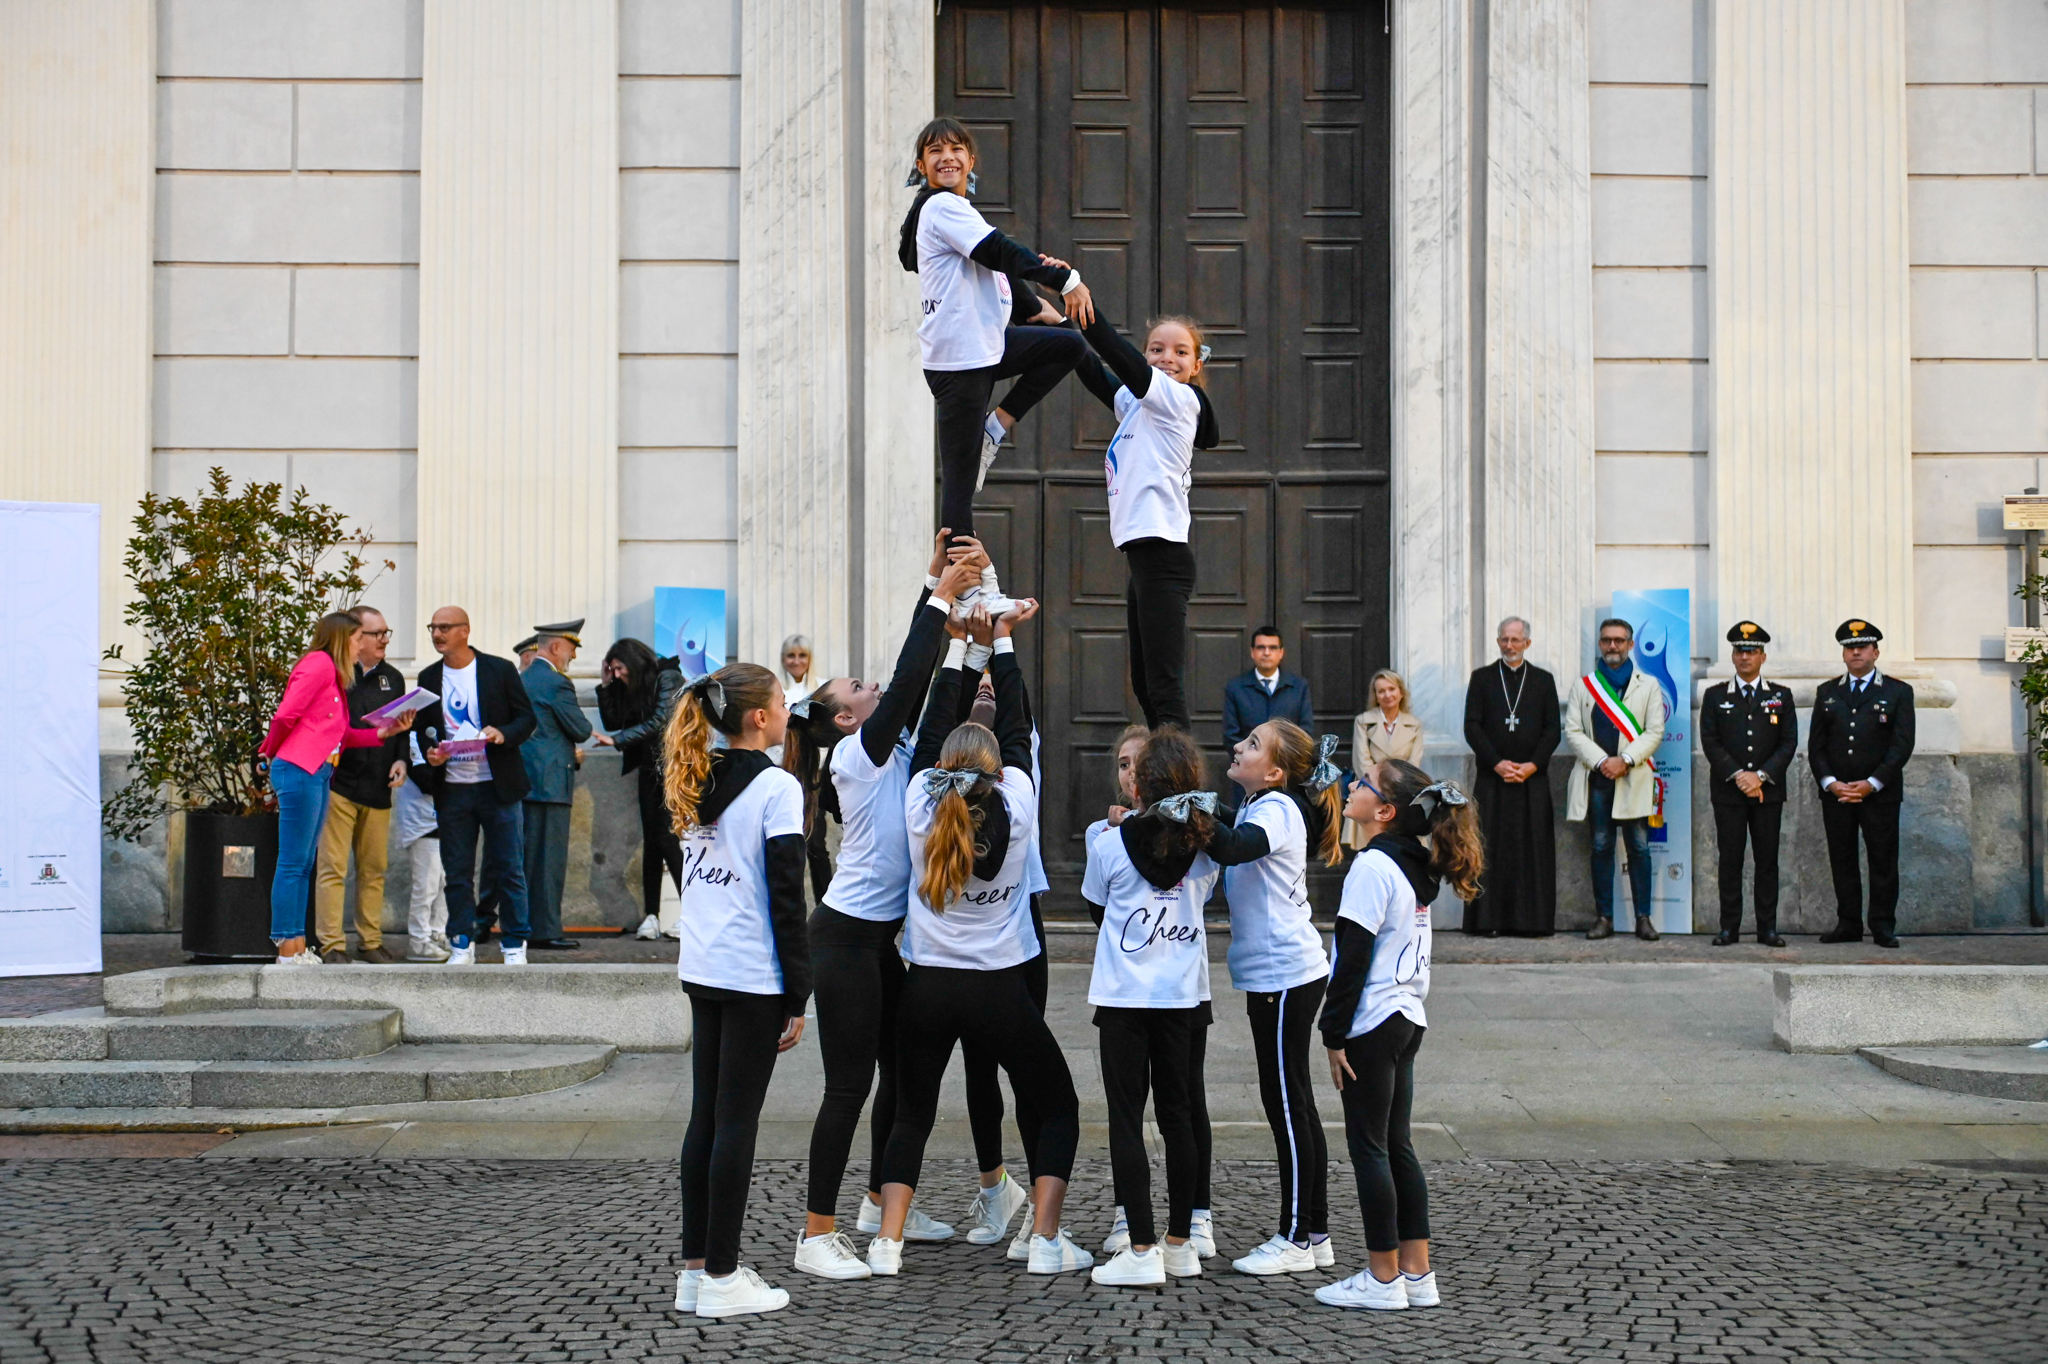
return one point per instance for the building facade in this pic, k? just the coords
(1514, 303)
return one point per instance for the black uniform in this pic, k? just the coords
(1863, 733)
(1751, 728)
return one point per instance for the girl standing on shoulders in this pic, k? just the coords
(1290, 813)
(1373, 1020)
(744, 961)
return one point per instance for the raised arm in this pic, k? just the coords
(1007, 256)
(1120, 356)
(914, 665)
(941, 708)
(1013, 706)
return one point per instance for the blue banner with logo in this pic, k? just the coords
(689, 624)
(1662, 618)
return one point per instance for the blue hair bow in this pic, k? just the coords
(959, 780)
(1178, 808)
(1326, 772)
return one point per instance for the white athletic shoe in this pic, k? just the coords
(1363, 1290)
(687, 1284)
(992, 1209)
(1277, 1256)
(1183, 1261)
(1421, 1289)
(427, 950)
(515, 955)
(461, 954)
(992, 434)
(916, 1227)
(885, 1256)
(1202, 1233)
(1020, 1244)
(737, 1294)
(1119, 1238)
(305, 956)
(830, 1256)
(1325, 1252)
(1057, 1254)
(649, 930)
(1130, 1269)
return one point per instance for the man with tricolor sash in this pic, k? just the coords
(1614, 722)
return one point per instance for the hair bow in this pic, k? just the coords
(1444, 792)
(959, 780)
(1205, 355)
(1325, 771)
(712, 690)
(1178, 808)
(800, 710)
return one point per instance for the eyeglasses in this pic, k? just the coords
(1366, 782)
(437, 629)
(376, 634)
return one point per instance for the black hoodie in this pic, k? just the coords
(1354, 945)
(733, 770)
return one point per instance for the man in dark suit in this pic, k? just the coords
(1861, 741)
(1749, 730)
(550, 757)
(477, 779)
(1265, 692)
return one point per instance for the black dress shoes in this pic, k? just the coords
(555, 945)
(1726, 939)
(1769, 940)
(1835, 935)
(1884, 940)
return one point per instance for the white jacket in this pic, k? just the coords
(1635, 793)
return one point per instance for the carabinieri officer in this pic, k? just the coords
(1749, 731)
(1862, 738)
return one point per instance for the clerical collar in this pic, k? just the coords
(1511, 667)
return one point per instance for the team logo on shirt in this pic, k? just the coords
(1148, 924)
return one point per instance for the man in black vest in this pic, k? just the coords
(1862, 738)
(1749, 730)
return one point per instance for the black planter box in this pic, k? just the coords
(229, 863)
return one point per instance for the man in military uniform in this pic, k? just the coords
(1749, 731)
(1862, 738)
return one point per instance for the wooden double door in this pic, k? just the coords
(1228, 162)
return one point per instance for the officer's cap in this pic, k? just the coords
(530, 642)
(1747, 633)
(1857, 632)
(570, 630)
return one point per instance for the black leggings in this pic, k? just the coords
(1156, 611)
(994, 1010)
(1392, 1193)
(1148, 1049)
(859, 982)
(1042, 356)
(1198, 1102)
(659, 846)
(985, 1095)
(732, 1056)
(1282, 1026)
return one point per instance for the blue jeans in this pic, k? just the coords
(301, 810)
(1637, 832)
(467, 812)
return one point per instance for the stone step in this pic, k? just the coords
(1994, 1072)
(403, 1074)
(226, 1035)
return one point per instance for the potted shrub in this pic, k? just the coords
(227, 588)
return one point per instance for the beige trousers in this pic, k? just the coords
(367, 833)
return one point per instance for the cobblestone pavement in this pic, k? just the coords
(318, 1261)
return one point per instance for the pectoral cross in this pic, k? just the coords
(1513, 722)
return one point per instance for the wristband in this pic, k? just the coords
(1073, 283)
(931, 583)
(1004, 646)
(956, 653)
(978, 656)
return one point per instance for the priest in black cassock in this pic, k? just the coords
(1511, 722)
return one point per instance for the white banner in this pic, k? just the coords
(50, 752)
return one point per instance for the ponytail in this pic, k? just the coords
(1170, 764)
(1442, 812)
(954, 840)
(714, 701)
(807, 748)
(1303, 760)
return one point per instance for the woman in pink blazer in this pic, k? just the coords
(306, 736)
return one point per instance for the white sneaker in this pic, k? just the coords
(1363, 1290)
(830, 1256)
(992, 1209)
(426, 949)
(1183, 1261)
(1421, 1289)
(304, 957)
(515, 956)
(1277, 1256)
(649, 930)
(737, 1294)
(991, 438)
(1129, 1269)
(1325, 1252)
(1057, 1254)
(1202, 1233)
(1020, 1244)
(1119, 1238)
(687, 1284)
(885, 1256)
(916, 1227)
(463, 954)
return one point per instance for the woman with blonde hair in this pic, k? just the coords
(1387, 731)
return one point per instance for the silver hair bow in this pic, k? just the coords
(1444, 792)
(1205, 355)
(1326, 771)
(800, 710)
(959, 780)
(1178, 808)
(712, 690)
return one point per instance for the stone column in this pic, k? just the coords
(1812, 435)
(519, 264)
(77, 189)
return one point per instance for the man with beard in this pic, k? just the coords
(1512, 724)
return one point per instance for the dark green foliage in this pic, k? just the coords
(2033, 681)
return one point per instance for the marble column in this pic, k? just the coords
(519, 264)
(794, 486)
(77, 189)
(1812, 434)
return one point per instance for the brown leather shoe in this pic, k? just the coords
(1602, 928)
(379, 955)
(1646, 930)
(333, 956)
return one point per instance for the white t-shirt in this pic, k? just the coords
(872, 878)
(1151, 951)
(465, 721)
(1378, 898)
(1150, 461)
(989, 926)
(728, 940)
(966, 304)
(1274, 945)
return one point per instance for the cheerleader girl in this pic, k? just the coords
(1373, 1019)
(744, 960)
(964, 269)
(1163, 417)
(970, 811)
(861, 727)
(1277, 959)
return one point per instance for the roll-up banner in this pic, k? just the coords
(1662, 618)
